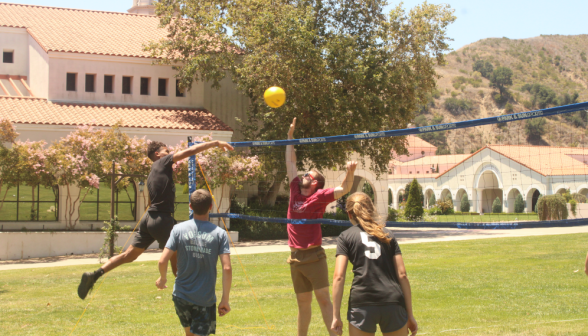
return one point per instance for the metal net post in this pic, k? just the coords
(191, 174)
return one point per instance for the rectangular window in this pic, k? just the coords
(145, 86)
(30, 204)
(8, 57)
(90, 83)
(96, 206)
(126, 85)
(108, 84)
(162, 87)
(71, 81)
(179, 92)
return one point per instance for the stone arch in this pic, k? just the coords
(458, 196)
(511, 195)
(583, 189)
(561, 188)
(363, 176)
(428, 192)
(488, 184)
(446, 192)
(532, 196)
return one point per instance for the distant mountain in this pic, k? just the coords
(548, 70)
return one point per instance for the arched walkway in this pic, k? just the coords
(511, 199)
(458, 197)
(583, 191)
(531, 199)
(488, 188)
(428, 193)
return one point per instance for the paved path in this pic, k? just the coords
(404, 236)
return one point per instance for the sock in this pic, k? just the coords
(98, 273)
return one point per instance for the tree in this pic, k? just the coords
(465, 203)
(432, 200)
(414, 206)
(346, 68)
(519, 204)
(501, 78)
(485, 68)
(420, 191)
(497, 205)
(390, 200)
(535, 128)
(552, 207)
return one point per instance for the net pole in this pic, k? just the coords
(191, 175)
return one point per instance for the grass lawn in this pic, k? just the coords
(489, 217)
(500, 286)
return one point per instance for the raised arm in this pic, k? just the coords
(163, 260)
(338, 286)
(195, 149)
(224, 307)
(405, 285)
(347, 184)
(291, 155)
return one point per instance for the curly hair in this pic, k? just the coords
(361, 210)
(154, 147)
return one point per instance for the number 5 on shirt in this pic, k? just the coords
(377, 248)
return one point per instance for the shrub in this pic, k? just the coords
(497, 206)
(535, 128)
(573, 204)
(508, 108)
(485, 68)
(392, 215)
(390, 200)
(414, 206)
(500, 98)
(579, 198)
(552, 207)
(445, 206)
(457, 106)
(519, 204)
(407, 192)
(465, 203)
(432, 200)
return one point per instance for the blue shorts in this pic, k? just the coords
(390, 318)
(201, 320)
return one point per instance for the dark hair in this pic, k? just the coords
(200, 200)
(153, 147)
(320, 179)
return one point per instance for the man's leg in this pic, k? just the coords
(324, 301)
(188, 332)
(304, 301)
(127, 256)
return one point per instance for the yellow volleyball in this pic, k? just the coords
(274, 96)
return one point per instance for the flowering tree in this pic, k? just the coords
(220, 168)
(8, 175)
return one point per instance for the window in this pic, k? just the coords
(126, 85)
(179, 92)
(71, 81)
(24, 203)
(108, 84)
(8, 57)
(144, 86)
(96, 205)
(90, 83)
(162, 87)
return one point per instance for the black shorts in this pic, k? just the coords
(154, 226)
(201, 320)
(390, 318)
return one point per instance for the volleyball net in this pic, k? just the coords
(519, 170)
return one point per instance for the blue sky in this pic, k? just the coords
(476, 19)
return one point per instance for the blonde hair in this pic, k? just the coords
(361, 210)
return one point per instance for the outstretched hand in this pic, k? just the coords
(291, 130)
(351, 165)
(225, 146)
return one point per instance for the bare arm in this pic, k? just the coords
(291, 154)
(586, 265)
(338, 286)
(347, 184)
(193, 150)
(223, 307)
(163, 260)
(405, 285)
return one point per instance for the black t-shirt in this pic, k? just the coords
(161, 186)
(376, 280)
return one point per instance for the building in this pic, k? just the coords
(62, 68)
(497, 171)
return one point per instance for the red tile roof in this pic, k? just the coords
(84, 31)
(416, 142)
(40, 111)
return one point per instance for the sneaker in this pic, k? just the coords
(86, 284)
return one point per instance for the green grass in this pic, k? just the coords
(489, 217)
(500, 286)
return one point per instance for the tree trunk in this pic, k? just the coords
(270, 198)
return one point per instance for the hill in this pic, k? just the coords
(549, 70)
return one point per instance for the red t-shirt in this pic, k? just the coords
(303, 207)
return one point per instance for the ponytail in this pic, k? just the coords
(361, 211)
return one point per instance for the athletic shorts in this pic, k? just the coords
(201, 320)
(390, 318)
(154, 225)
(309, 269)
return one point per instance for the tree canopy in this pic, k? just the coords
(501, 78)
(346, 66)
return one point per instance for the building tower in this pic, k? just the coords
(143, 7)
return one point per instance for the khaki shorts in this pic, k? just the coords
(309, 269)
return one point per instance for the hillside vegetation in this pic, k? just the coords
(499, 76)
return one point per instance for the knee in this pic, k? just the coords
(128, 257)
(323, 300)
(304, 300)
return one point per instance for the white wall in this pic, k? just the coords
(14, 39)
(227, 103)
(62, 63)
(38, 79)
